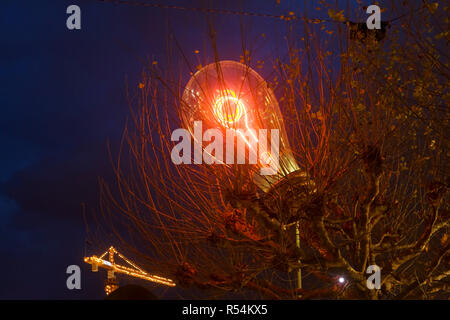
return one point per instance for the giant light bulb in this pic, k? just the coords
(231, 96)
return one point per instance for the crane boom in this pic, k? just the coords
(112, 267)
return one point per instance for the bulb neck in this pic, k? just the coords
(288, 175)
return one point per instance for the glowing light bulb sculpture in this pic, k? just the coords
(230, 95)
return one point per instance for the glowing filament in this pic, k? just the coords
(228, 108)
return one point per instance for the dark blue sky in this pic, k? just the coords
(62, 97)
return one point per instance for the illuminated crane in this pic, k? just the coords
(113, 268)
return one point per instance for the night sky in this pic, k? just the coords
(62, 98)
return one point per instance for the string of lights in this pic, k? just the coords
(129, 262)
(288, 17)
(103, 255)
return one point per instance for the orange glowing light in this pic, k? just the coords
(228, 95)
(228, 108)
